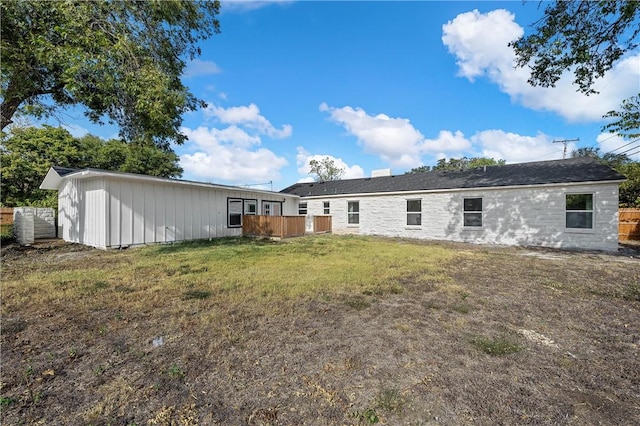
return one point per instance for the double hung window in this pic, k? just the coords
(472, 212)
(579, 211)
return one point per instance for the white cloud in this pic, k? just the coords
(248, 5)
(613, 143)
(303, 158)
(479, 41)
(234, 153)
(250, 117)
(75, 130)
(226, 155)
(199, 68)
(515, 148)
(395, 140)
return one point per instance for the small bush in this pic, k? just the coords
(499, 346)
(7, 236)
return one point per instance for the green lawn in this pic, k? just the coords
(318, 330)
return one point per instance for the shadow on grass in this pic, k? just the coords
(214, 242)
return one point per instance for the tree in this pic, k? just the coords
(325, 169)
(629, 191)
(463, 163)
(27, 154)
(122, 60)
(586, 37)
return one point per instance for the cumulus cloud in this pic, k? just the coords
(395, 140)
(250, 117)
(613, 143)
(199, 68)
(303, 158)
(234, 153)
(227, 155)
(515, 148)
(479, 41)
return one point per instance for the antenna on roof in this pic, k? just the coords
(564, 141)
(270, 183)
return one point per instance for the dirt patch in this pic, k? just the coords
(402, 357)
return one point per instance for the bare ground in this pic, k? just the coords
(411, 357)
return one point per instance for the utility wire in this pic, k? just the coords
(612, 151)
(630, 149)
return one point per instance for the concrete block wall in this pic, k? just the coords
(31, 223)
(527, 216)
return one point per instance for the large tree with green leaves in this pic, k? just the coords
(120, 59)
(325, 169)
(586, 38)
(629, 190)
(463, 163)
(27, 153)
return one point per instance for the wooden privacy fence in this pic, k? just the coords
(273, 226)
(321, 224)
(629, 224)
(6, 216)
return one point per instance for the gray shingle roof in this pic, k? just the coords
(573, 170)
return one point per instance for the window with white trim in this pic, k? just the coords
(579, 211)
(234, 212)
(250, 207)
(353, 212)
(414, 212)
(302, 208)
(472, 212)
(326, 209)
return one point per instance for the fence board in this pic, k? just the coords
(6, 216)
(273, 226)
(321, 224)
(629, 224)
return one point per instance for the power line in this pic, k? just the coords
(630, 149)
(612, 151)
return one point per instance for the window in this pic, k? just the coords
(302, 208)
(414, 212)
(579, 213)
(473, 212)
(272, 208)
(326, 207)
(353, 215)
(234, 212)
(251, 207)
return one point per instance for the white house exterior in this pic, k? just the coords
(110, 210)
(562, 204)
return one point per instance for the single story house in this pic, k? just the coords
(569, 203)
(107, 209)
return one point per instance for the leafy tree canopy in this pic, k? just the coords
(27, 154)
(587, 38)
(325, 169)
(459, 164)
(629, 190)
(122, 60)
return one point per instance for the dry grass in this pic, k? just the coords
(319, 330)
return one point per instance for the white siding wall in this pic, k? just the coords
(149, 212)
(81, 212)
(520, 216)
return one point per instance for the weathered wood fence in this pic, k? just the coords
(6, 216)
(629, 224)
(273, 226)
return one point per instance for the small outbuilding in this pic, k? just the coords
(569, 203)
(107, 209)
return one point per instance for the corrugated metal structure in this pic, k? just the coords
(110, 210)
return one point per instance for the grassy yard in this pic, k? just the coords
(318, 330)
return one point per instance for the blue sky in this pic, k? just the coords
(375, 85)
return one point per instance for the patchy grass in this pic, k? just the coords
(318, 330)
